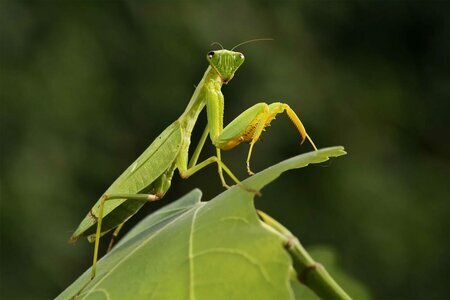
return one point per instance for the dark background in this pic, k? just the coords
(86, 86)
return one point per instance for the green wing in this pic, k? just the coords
(137, 178)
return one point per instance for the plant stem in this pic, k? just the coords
(309, 272)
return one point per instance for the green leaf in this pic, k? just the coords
(201, 250)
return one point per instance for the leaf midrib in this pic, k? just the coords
(191, 256)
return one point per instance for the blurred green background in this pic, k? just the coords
(86, 86)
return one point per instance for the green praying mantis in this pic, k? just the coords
(149, 177)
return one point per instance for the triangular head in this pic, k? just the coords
(225, 63)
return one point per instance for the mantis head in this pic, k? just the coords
(225, 63)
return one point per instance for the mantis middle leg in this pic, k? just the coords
(188, 169)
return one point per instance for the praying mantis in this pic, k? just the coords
(149, 177)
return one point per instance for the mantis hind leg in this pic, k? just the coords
(114, 236)
(249, 126)
(137, 197)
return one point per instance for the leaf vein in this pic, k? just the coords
(191, 256)
(142, 245)
(246, 256)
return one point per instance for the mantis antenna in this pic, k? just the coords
(251, 41)
(217, 43)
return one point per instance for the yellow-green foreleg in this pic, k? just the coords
(249, 126)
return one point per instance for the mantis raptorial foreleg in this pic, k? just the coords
(249, 125)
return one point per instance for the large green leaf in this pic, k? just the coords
(201, 250)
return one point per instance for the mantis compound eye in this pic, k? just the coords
(211, 54)
(241, 56)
